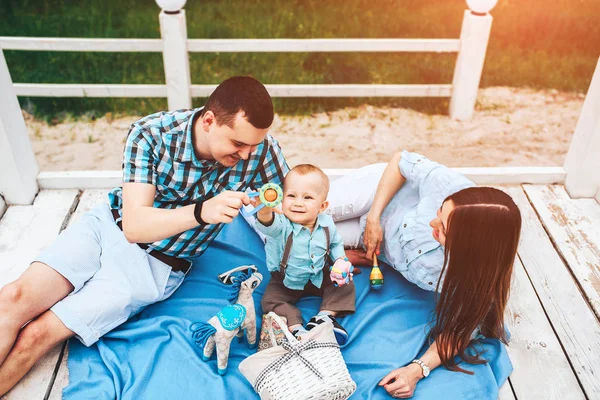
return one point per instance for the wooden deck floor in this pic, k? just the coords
(553, 313)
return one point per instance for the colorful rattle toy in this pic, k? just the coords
(376, 276)
(237, 318)
(270, 195)
(341, 272)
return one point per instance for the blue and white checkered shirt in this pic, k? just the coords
(159, 151)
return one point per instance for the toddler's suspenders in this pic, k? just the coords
(288, 249)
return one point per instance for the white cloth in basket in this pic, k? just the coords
(300, 370)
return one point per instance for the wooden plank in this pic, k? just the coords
(513, 175)
(88, 90)
(541, 368)
(24, 231)
(233, 45)
(80, 44)
(494, 175)
(570, 315)
(505, 392)
(481, 176)
(19, 168)
(173, 30)
(285, 90)
(582, 162)
(80, 179)
(2, 206)
(574, 225)
(89, 199)
(323, 45)
(61, 380)
(474, 36)
(349, 90)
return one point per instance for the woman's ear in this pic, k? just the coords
(324, 206)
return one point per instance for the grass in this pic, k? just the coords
(537, 44)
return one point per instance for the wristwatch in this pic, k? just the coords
(425, 369)
(198, 212)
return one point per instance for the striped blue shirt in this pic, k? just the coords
(159, 151)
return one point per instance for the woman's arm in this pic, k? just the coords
(391, 181)
(401, 382)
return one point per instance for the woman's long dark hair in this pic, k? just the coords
(481, 245)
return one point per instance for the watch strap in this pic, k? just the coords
(198, 212)
(424, 368)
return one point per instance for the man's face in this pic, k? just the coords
(229, 145)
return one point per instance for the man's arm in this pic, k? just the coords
(143, 223)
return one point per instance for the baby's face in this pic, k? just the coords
(303, 197)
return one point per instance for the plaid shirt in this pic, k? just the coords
(159, 151)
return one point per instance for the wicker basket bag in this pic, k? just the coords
(310, 369)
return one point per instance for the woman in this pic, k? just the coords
(441, 233)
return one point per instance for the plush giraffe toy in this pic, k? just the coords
(232, 320)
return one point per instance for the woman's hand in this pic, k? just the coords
(401, 382)
(373, 236)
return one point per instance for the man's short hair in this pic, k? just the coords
(241, 93)
(305, 169)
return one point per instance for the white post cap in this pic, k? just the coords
(171, 5)
(480, 6)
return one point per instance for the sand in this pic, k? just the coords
(511, 127)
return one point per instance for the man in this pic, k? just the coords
(184, 174)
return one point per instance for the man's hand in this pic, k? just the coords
(401, 382)
(224, 207)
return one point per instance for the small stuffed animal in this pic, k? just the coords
(233, 320)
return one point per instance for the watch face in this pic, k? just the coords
(425, 372)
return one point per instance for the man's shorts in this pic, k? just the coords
(112, 278)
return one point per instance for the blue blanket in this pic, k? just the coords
(152, 355)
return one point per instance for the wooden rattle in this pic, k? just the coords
(376, 276)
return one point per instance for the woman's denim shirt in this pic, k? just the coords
(408, 244)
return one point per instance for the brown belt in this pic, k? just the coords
(176, 264)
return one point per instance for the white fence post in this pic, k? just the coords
(173, 30)
(18, 168)
(582, 164)
(474, 37)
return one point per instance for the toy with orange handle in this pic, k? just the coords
(376, 276)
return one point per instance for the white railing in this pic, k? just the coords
(20, 181)
(178, 89)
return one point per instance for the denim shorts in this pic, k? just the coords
(112, 278)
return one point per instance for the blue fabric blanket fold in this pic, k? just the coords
(152, 356)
